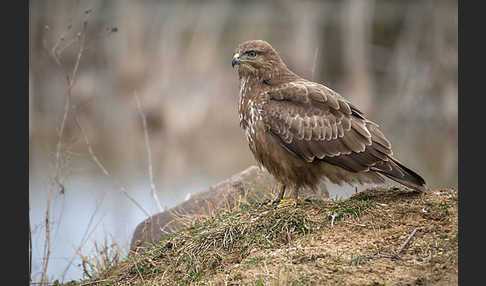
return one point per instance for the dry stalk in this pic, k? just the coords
(87, 234)
(397, 252)
(149, 152)
(56, 51)
(139, 274)
(104, 170)
(106, 256)
(55, 178)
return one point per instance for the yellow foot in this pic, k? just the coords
(286, 203)
(278, 204)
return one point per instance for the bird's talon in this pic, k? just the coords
(278, 204)
(268, 202)
(285, 203)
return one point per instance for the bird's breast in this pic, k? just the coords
(251, 119)
(250, 110)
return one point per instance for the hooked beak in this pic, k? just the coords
(235, 60)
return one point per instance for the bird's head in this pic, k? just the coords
(257, 58)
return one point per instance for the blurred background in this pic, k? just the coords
(397, 60)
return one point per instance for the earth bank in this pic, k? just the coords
(381, 236)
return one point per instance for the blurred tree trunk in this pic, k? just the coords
(356, 32)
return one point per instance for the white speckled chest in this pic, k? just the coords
(250, 109)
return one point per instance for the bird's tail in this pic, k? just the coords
(396, 171)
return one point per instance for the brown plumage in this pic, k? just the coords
(302, 131)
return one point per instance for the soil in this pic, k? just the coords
(381, 236)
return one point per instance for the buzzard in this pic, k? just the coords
(303, 132)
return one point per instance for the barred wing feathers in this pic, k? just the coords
(316, 123)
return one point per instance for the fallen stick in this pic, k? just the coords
(406, 242)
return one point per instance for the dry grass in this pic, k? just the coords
(104, 256)
(378, 237)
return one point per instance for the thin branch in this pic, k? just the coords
(149, 152)
(90, 149)
(78, 250)
(397, 252)
(86, 236)
(103, 169)
(67, 105)
(56, 51)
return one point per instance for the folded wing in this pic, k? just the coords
(316, 123)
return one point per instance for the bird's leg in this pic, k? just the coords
(279, 202)
(281, 193)
(280, 188)
(287, 202)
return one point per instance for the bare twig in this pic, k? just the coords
(149, 152)
(55, 178)
(103, 169)
(397, 252)
(85, 238)
(90, 149)
(57, 49)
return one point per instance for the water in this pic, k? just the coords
(90, 209)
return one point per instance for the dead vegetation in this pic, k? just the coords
(380, 236)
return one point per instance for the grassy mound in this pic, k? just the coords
(377, 237)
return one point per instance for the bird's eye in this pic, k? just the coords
(252, 54)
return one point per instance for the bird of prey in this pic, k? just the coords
(303, 132)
